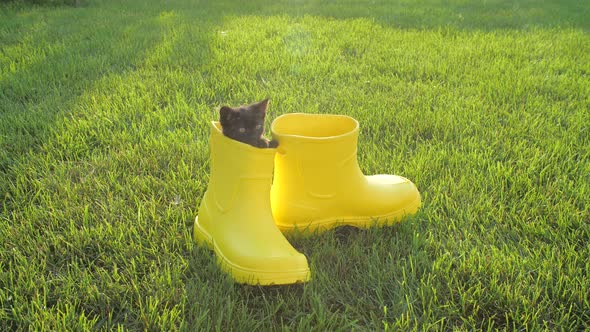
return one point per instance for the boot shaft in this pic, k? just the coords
(315, 149)
(238, 169)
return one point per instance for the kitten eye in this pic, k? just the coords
(242, 130)
(258, 126)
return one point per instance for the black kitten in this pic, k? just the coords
(246, 124)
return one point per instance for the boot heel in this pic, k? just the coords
(201, 237)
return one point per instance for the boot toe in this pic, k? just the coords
(394, 194)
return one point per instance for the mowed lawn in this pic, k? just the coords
(104, 158)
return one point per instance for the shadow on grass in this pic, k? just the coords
(49, 64)
(46, 80)
(423, 14)
(351, 269)
(61, 84)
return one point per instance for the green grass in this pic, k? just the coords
(104, 113)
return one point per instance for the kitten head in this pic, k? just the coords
(244, 123)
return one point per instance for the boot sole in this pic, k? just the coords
(363, 222)
(246, 275)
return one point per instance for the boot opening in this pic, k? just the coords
(314, 125)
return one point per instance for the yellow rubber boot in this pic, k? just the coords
(235, 218)
(318, 184)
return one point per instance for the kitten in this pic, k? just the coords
(246, 124)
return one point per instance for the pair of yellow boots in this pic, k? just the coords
(317, 186)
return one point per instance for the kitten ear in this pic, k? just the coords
(261, 106)
(225, 114)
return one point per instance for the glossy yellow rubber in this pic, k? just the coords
(318, 184)
(235, 218)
